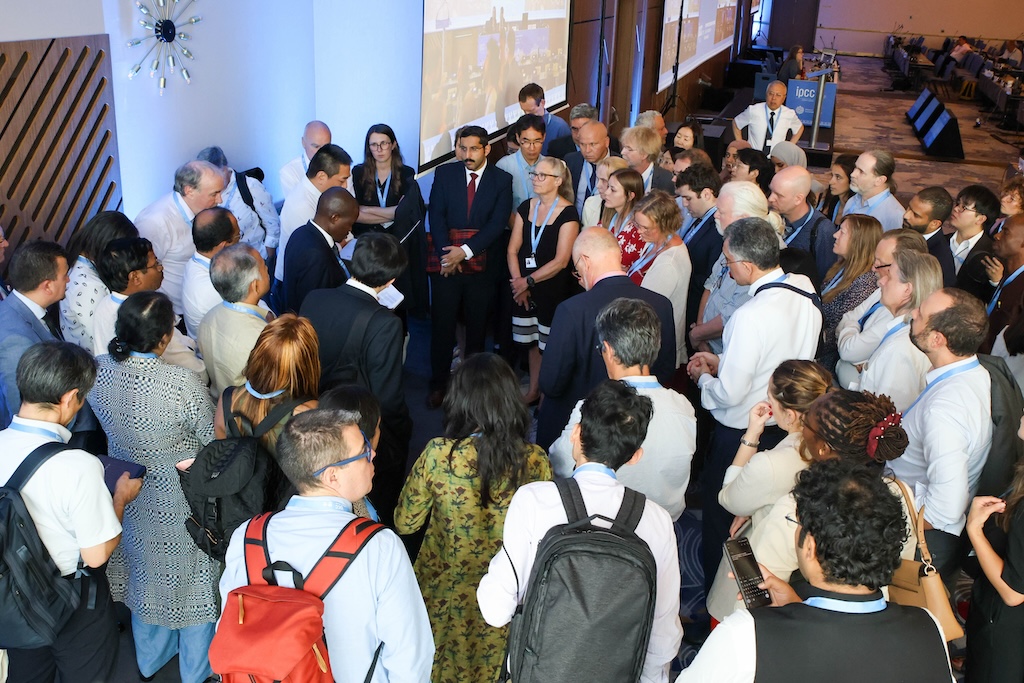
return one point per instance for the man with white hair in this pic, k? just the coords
(167, 222)
(768, 123)
(655, 121)
(315, 135)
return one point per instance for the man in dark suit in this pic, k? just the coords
(975, 210)
(572, 364)
(1007, 304)
(361, 343)
(312, 258)
(39, 275)
(641, 147)
(926, 212)
(579, 116)
(473, 196)
(698, 186)
(594, 147)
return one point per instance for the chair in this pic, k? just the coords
(944, 70)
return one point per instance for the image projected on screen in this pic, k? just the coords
(707, 29)
(477, 54)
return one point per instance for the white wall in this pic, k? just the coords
(21, 20)
(861, 26)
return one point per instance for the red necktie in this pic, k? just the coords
(470, 193)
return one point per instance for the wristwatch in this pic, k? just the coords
(530, 282)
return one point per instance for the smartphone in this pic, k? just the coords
(747, 573)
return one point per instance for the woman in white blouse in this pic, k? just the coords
(664, 264)
(593, 207)
(85, 289)
(897, 368)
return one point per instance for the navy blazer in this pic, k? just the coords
(572, 363)
(973, 277)
(19, 329)
(309, 263)
(492, 205)
(564, 147)
(663, 180)
(705, 247)
(938, 246)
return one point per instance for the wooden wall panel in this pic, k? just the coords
(58, 140)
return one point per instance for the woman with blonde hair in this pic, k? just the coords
(850, 280)
(625, 189)
(593, 207)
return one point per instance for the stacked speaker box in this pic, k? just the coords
(936, 126)
(923, 99)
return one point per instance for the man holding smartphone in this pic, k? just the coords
(848, 533)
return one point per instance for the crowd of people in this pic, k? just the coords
(778, 349)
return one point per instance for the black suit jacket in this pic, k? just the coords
(309, 263)
(572, 364)
(938, 246)
(564, 146)
(575, 163)
(492, 206)
(972, 276)
(663, 180)
(705, 247)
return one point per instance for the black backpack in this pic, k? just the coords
(35, 602)
(589, 606)
(229, 480)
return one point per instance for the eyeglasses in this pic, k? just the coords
(729, 263)
(963, 207)
(530, 143)
(534, 175)
(381, 145)
(157, 264)
(367, 453)
(790, 519)
(880, 266)
(575, 269)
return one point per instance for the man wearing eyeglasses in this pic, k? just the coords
(520, 165)
(975, 211)
(377, 602)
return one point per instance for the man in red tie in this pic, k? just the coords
(469, 207)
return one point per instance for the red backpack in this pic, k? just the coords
(269, 633)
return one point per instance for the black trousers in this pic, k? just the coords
(715, 519)
(86, 648)
(473, 293)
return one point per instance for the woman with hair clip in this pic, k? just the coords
(539, 252)
(464, 482)
(755, 166)
(625, 189)
(833, 200)
(995, 624)
(156, 415)
(283, 367)
(757, 479)
(849, 281)
(897, 368)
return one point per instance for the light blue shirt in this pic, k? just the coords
(378, 599)
(522, 186)
(883, 207)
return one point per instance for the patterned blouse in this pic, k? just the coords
(85, 290)
(832, 312)
(157, 414)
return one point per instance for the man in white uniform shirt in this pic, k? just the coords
(258, 222)
(315, 135)
(950, 423)
(167, 222)
(755, 342)
(872, 184)
(212, 230)
(630, 335)
(769, 123)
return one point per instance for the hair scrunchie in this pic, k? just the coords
(120, 346)
(877, 432)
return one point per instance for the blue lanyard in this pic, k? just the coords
(797, 229)
(833, 282)
(615, 220)
(999, 290)
(646, 256)
(833, 605)
(650, 178)
(382, 196)
(944, 376)
(864, 318)
(204, 264)
(697, 225)
(835, 211)
(41, 431)
(890, 333)
(242, 309)
(181, 209)
(226, 198)
(524, 174)
(535, 234)
(256, 394)
(319, 503)
(302, 158)
(140, 354)
(650, 383)
(595, 467)
(341, 261)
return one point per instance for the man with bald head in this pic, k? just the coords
(315, 136)
(572, 363)
(167, 222)
(1007, 304)
(806, 227)
(312, 259)
(594, 146)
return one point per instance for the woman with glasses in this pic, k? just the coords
(157, 415)
(539, 251)
(625, 189)
(593, 207)
(380, 181)
(849, 281)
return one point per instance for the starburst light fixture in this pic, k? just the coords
(163, 20)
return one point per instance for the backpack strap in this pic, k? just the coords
(279, 412)
(230, 426)
(632, 509)
(814, 234)
(246, 195)
(33, 461)
(572, 499)
(269, 422)
(356, 334)
(257, 556)
(813, 296)
(337, 559)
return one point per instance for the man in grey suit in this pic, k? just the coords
(38, 275)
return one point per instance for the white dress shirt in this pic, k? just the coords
(950, 432)
(960, 249)
(897, 368)
(292, 173)
(669, 276)
(883, 207)
(84, 292)
(755, 119)
(167, 223)
(664, 469)
(1015, 363)
(197, 293)
(591, 215)
(299, 208)
(376, 601)
(756, 341)
(855, 344)
(257, 235)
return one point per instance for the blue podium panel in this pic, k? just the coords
(801, 97)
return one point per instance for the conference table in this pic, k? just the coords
(916, 67)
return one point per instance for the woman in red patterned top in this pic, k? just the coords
(625, 188)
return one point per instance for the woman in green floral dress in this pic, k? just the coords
(464, 482)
